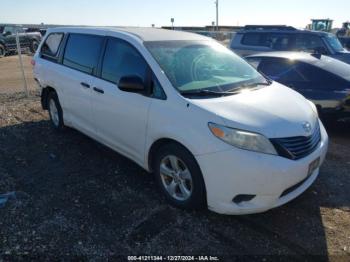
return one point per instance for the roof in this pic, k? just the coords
(301, 56)
(279, 29)
(144, 33)
(327, 63)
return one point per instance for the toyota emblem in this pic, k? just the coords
(307, 127)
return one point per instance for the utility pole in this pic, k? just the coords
(172, 23)
(217, 14)
(21, 65)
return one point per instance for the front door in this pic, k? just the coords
(121, 117)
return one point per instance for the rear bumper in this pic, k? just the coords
(239, 172)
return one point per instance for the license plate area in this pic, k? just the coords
(313, 166)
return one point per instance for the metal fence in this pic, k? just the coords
(16, 71)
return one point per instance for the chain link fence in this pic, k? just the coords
(16, 74)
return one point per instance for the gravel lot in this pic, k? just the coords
(74, 197)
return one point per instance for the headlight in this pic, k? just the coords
(314, 108)
(243, 139)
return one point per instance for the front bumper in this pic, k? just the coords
(240, 172)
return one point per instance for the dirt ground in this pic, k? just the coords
(76, 198)
(11, 79)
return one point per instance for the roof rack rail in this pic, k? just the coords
(269, 27)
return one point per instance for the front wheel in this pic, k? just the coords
(179, 177)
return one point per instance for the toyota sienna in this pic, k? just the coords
(213, 130)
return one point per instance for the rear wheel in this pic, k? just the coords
(55, 111)
(2, 50)
(179, 177)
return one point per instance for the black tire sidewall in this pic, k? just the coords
(197, 199)
(53, 96)
(2, 47)
(32, 49)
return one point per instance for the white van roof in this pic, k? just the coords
(144, 33)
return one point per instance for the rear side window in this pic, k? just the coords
(276, 41)
(82, 52)
(51, 45)
(280, 42)
(253, 39)
(121, 59)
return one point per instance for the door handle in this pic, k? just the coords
(85, 85)
(98, 90)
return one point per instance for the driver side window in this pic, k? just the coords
(121, 59)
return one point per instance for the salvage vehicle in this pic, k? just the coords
(321, 79)
(8, 43)
(257, 39)
(215, 132)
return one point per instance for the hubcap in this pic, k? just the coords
(54, 113)
(176, 178)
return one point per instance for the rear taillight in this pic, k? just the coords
(32, 62)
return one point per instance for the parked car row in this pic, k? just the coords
(321, 72)
(321, 79)
(214, 131)
(28, 40)
(256, 39)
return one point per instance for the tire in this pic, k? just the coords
(34, 46)
(55, 111)
(2, 50)
(173, 187)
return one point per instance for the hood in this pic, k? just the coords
(274, 111)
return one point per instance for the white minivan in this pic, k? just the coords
(213, 130)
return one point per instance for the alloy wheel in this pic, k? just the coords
(176, 178)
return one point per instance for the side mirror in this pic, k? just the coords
(6, 33)
(133, 84)
(320, 50)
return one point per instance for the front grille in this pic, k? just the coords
(298, 147)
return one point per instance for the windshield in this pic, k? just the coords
(334, 43)
(203, 65)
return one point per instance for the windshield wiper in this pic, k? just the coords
(252, 86)
(206, 92)
(258, 84)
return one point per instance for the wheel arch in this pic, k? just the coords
(157, 144)
(44, 95)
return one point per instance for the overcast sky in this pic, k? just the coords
(186, 12)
